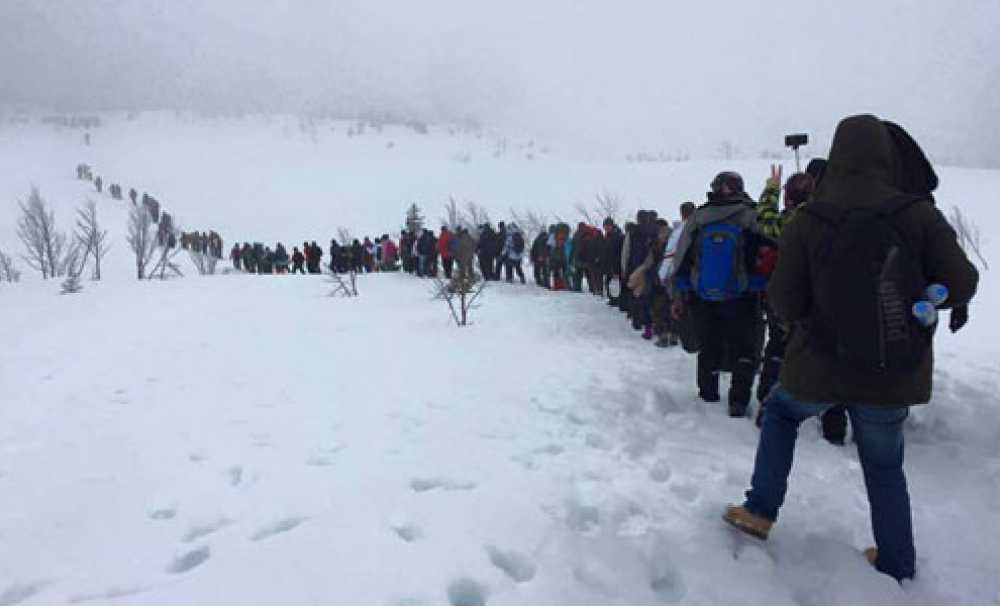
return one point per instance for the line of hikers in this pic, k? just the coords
(820, 295)
(369, 256)
(166, 235)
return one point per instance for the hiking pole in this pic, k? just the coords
(795, 142)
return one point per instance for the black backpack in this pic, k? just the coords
(866, 279)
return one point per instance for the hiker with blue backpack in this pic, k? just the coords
(714, 260)
(857, 263)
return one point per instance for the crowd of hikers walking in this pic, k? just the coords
(828, 302)
(167, 235)
(816, 301)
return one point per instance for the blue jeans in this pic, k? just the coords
(879, 433)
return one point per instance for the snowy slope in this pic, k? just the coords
(249, 440)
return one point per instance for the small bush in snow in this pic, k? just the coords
(461, 294)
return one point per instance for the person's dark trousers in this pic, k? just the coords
(298, 268)
(595, 281)
(576, 279)
(728, 326)
(498, 265)
(511, 267)
(774, 354)
(834, 423)
(625, 299)
(538, 270)
(613, 301)
(447, 264)
(641, 310)
(879, 434)
(486, 266)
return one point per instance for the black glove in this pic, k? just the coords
(959, 316)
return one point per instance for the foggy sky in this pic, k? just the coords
(626, 75)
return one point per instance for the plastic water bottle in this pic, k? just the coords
(937, 294)
(925, 313)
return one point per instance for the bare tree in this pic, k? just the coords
(585, 213)
(474, 216)
(141, 238)
(969, 237)
(37, 231)
(8, 271)
(90, 234)
(74, 261)
(345, 286)
(462, 293)
(164, 263)
(345, 236)
(453, 214)
(608, 205)
(531, 223)
(204, 262)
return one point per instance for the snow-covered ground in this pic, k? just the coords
(240, 439)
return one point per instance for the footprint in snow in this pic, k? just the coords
(515, 565)
(165, 513)
(427, 484)
(466, 592)
(550, 449)
(686, 491)
(111, 594)
(204, 530)
(279, 527)
(408, 532)
(189, 560)
(19, 592)
(660, 471)
(234, 475)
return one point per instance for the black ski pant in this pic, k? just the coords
(297, 267)
(499, 264)
(448, 264)
(728, 327)
(511, 266)
(625, 299)
(541, 271)
(486, 266)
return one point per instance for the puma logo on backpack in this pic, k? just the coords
(866, 279)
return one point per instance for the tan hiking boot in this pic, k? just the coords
(744, 521)
(871, 554)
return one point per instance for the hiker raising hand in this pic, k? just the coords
(775, 179)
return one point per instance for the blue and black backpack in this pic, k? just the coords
(719, 271)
